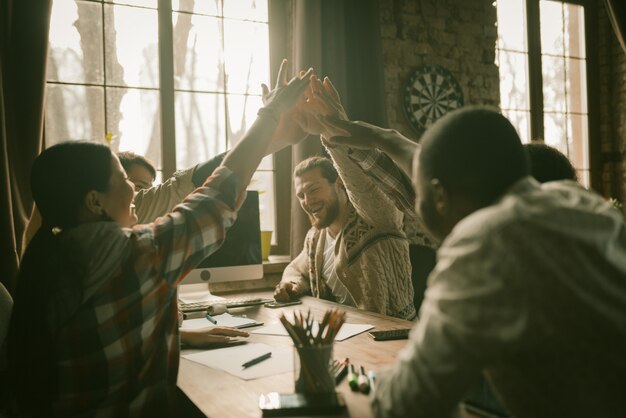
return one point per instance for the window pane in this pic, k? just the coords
(578, 132)
(246, 9)
(574, 30)
(198, 62)
(200, 131)
(207, 7)
(263, 181)
(521, 121)
(267, 163)
(512, 25)
(242, 111)
(553, 70)
(551, 17)
(514, 80)
(576, 85)
(246, 55)
(554, 131)
(131, 46)
(134, 121)
(75, 53)
(74, 112)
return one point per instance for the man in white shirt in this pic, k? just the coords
(529, 288)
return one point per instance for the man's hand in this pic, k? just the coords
(286, 291)
(321, 100)
(210, 336)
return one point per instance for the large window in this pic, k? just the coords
(543, 78)
(106, 81)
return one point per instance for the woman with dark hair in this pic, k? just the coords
(94, 328)
(548, 163)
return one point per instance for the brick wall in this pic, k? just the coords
(459, 35)
(612, 84)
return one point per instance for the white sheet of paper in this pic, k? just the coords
(223, 320)
(346, 331)
(230, 360)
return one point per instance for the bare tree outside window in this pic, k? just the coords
(103, 79)
(563, 70)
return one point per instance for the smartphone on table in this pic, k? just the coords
(275, 304)
(390, 334)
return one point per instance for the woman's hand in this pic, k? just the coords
(210, 336)
(286, 93)
(288, 132)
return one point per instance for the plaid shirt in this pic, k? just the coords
(397, 186)
(116, 347)
(390, 178)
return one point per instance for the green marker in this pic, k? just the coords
(353, 379)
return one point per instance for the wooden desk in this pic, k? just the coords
(219, 394)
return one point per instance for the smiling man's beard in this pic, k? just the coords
(332, 211)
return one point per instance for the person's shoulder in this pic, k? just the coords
(573, 194)
(100, 247)
(96, 238)
(528, 205)
(511, 209)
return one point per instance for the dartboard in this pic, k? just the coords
(430, 92)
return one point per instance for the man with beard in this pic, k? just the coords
(356, 252)
(529, 287)
(360, 206)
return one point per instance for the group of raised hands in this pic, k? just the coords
(318, 111)
(305, 105)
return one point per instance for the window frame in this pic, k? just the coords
(280, 33)
(535, 81)
(278, 28)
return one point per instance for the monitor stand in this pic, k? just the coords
(199, 292)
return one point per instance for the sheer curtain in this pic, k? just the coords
(23, 48)
(616, 10)
(339, 39)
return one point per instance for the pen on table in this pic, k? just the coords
(341, 371)
(211, 319)
(256, 360)
(364, 383)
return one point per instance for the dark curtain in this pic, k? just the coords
(339, 39)
(616, 9)
(23, 48)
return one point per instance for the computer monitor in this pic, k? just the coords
(239, 257)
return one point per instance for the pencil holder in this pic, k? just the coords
(312, 369)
